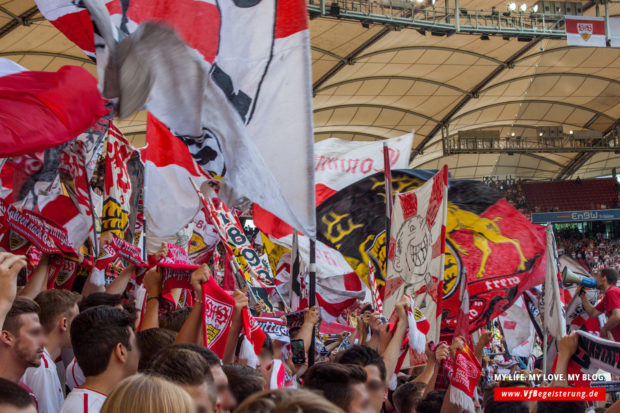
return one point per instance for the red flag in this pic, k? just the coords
(217, 312)
(64, 104)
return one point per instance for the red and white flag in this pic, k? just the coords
(417, 247)
(222, 84)
(518, 330)
(64, 103)
(585, 31)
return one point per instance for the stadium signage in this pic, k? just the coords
(576, 216)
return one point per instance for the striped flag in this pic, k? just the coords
(585, 31)
(372, 282)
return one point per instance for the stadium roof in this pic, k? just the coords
(379, 81)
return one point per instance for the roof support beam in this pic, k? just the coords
(50, 54)
(408, 78)
(16, 21)
(345, 132)
(373, 106)
(438, 48)
(338, 66)
(537, 75)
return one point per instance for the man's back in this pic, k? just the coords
(82, 400)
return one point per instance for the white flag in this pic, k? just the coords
(553, 317)
(417, 247)
(518, 330)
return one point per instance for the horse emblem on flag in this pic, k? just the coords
(585, 30)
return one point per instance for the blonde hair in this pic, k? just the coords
(287, 401)
(142, 393)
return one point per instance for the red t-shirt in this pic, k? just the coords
(611, 301)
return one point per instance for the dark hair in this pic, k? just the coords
(506, 407)
(431, 403)
(363, 356)
(610, 274)
(210, 357)
(150, 342)
(55, 304)
(14, 395)
(174, 319)
(561, 406)
(94, 335)
(243, 381)
(20, 306)
(96, 299)
(181, 366)
(335, 381)
(268, 344)
(407, 396)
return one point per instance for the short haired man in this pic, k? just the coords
(15, 399)
(190, 370)
(105, 347)
(342, 384)
(606, 281)
(407, 396)
(244, 381)
(58, 308)
(150, 342)
(374, 365)
(225, 402)
(22, 340)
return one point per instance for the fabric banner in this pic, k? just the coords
(554, 317)
(417, 247)
(239, 137)
(576, 315)
(614, 31)
(64, 103)
(276, 328)
(228, 224)
(117, 184)
(466, 373)
(339, 163)
(585, 31)
(595, 353)
(204, 239)
(177, 269)
(519, 333)
(252, 330)
(217, 312)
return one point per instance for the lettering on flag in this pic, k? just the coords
(585, 31)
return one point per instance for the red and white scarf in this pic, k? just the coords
(465, 377)
(217, 313)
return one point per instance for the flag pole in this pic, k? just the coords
(312, 297)
(92, 209)
(389, 200)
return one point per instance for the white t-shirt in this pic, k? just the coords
(45, 384)
(82, 400)
(74, 376)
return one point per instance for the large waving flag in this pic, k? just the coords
(225, 81)
(64, 104)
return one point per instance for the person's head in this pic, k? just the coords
(506, 407)
(561, 406)
(605, 278)
(291, 400)
(22, 336)
(103, 340)
(407, 396)
(97, 299)
(14, 399)
(174, 320)
(58, 309)
(431, 403)
(189, 370)
(243, 381)
(342, 384)
(225, 399)
(150, 342)
(142, 393)
(374, 365)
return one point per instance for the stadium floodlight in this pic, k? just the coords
(420, 1)
(523, 7)
(512, 6)
(534, 8)
(512, 134)
(570, 132)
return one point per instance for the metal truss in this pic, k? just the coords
(440, 21)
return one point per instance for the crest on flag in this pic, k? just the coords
(416, 248)
(217, 319)
(585, 30)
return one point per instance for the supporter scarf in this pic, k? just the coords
(252, 330)
(23, 227)
(418, 328)
(278, 375)
(295, 319)
(466, 373)
(275, 327)
(217, 312)
(177, 269)
(119, 248)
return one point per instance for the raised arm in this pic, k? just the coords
(38, 279)
(10, 266)
(192, 327)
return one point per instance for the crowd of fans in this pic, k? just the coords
(512, 190)
(592, 252)
(62, 351)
